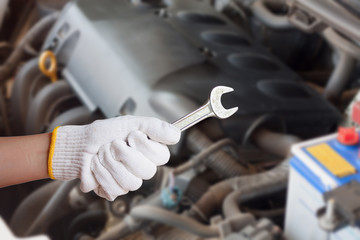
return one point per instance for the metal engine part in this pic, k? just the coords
(209, 49)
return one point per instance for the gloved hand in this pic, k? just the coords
(111, 156)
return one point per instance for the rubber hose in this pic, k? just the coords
(214, 197)
(271, 20)
(117, 232)
(38, 30)
(203, 154)
(196, 188)
(74, 116)
(249, 192)
(179, 221)
(176, 234)
(341, 43)
(30, 207)
(50, 212)
(42, 103)
(129, 225)
(340, 76)
(20, 93)
(273, 142)
(220, 162)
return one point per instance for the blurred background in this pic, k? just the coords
(293, 66)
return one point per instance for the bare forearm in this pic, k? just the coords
(23, 159)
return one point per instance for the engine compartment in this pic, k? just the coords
(294, 70)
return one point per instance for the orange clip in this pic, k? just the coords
(51, 71)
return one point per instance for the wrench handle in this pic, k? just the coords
(194, 117)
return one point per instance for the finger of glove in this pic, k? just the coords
(135, 162)
(156, 152)
(114, 161)
(102, 193)
(159, 131)
(88, 181)
(105, 179)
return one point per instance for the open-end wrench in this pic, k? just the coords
(212, 108)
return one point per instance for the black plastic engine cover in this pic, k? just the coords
(115, 54)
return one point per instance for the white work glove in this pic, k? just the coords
(111, 156)
(6, 234)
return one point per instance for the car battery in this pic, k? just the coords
(323, 200)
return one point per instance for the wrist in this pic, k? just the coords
(67, 152)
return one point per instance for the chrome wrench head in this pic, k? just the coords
(215, 102)
(212, 108)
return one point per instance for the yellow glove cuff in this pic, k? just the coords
(51, 152)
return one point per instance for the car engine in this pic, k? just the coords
(294, 70)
